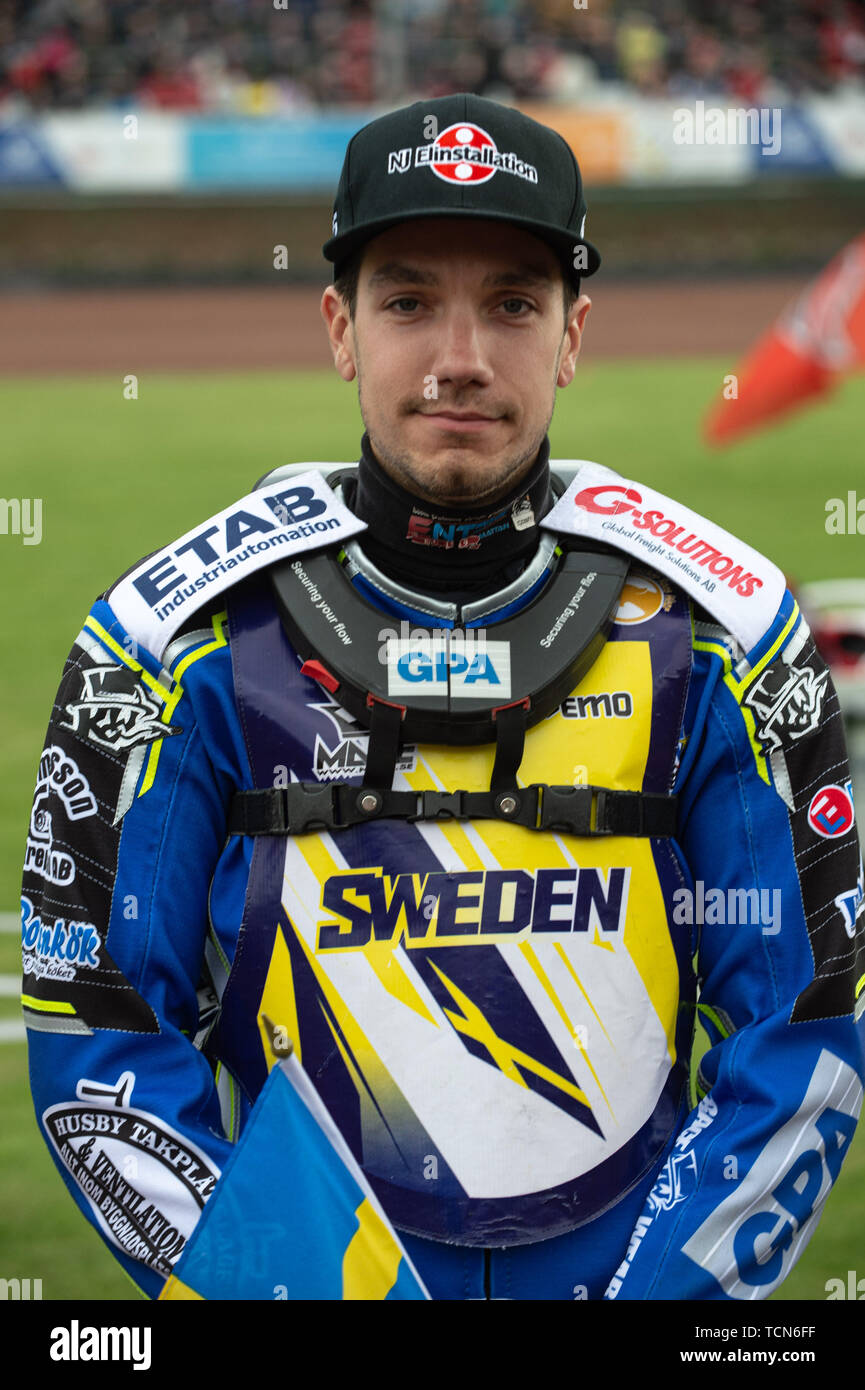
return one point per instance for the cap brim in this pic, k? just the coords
(338, 248)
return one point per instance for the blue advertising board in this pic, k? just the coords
(300, 153)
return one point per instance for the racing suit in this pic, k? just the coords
(499, 1020)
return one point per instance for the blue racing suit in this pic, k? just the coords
(499, 1020)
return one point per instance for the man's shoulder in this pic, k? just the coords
(290, 511)
(739, 588)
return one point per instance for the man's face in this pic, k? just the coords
(458, 343)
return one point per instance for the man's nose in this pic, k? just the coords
(461, 353)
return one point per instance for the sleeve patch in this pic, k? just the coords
(104, 721)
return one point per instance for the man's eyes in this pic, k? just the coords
(514, 306)
(518, 301)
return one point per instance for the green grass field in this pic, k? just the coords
(118, 478)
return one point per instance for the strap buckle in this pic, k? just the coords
(308, 806)
(435, 805)
(303, 806)
(568, 809)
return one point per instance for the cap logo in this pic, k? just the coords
(457, 153)
(465, 153)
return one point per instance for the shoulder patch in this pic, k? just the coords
(287, 518)
(737, 585)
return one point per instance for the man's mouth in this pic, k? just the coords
(459, 419)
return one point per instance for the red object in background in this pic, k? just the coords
(50, 55)
(840, 647)
(816, 341)
(171, 91)
(835, 612)
(842, 44)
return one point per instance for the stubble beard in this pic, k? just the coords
(454, 481)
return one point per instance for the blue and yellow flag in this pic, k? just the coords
(293, 1216)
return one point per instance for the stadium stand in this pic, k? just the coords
(271, 57)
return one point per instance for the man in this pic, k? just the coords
(448, 766)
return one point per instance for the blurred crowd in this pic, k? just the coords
(282, 56)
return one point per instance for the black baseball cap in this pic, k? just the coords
(461, 156)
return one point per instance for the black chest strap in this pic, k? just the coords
(573, 810)
(581, 810)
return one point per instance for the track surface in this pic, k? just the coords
(232, 329)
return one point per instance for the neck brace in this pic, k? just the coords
(444, 686)
(450, 685)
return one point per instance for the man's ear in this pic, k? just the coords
(340, 330)
(577, 315)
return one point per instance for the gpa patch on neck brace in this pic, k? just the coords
(449, 690)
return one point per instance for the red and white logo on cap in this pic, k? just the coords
(467, 136)
(465, 153)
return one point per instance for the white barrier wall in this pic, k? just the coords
(620, 139)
